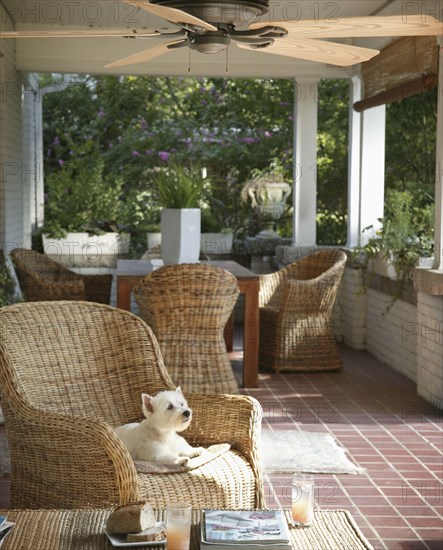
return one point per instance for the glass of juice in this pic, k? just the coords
(178, 525)
(302, 499)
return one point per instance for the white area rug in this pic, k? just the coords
(289, 451)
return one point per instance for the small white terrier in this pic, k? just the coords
(155, 439)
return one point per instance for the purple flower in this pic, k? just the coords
(149, 152)
(143, 123)
(249, 140)
(268, 134)
(101, 113)
(56, 141)
(61, 162)
(164, 155)
(135, 154)
(49, 153)
(110, 145)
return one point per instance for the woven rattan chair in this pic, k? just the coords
(296, 304)
(41, 278)
(188, 306)
(72, 371)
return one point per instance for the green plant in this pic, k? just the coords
(179, 186)
(81, 198)
(7, 285)
(406, 234)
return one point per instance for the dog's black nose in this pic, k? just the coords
(186, 414)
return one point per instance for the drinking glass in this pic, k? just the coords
(302, 499)
(178, 525)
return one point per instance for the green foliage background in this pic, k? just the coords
(123, 129)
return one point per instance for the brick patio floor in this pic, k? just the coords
(374, 413)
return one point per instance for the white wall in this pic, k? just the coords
(387, 335)
(406, 337)
(429, 337)
(17, 147)
(353, 309)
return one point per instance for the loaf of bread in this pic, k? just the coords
(154, 534)
(131, 518)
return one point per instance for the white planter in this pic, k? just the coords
(383, 266)
(426, 263)
(216, 243)
(84, 248)
(180, 239)
(154, 240)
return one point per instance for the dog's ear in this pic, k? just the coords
(146, 401)
(179, 390)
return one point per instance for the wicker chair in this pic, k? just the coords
(295, 314)
(188, 306)
(41, 278)
(72, 371)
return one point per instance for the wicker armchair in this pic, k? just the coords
(41, 278)
(295, 314)
(72, 371)
(187, 307)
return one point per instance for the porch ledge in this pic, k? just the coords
(428, 281)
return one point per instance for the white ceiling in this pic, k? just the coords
(89, 55)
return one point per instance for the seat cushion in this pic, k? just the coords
(228, 482)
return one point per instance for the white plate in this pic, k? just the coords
(119, 541)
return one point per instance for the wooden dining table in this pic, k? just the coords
(130, 272)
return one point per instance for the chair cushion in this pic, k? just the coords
(228, 482)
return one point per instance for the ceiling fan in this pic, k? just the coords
(209, 26)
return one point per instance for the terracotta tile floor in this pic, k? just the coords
(374, 413)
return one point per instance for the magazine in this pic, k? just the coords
(227, 529)
(5, 527)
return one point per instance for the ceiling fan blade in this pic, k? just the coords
(171, 14)
(145, 55)
(361, 27)
(83, 33)
(317, 50)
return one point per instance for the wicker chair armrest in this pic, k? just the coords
(307, 297)
(269, 284)
(75, 461)
(234, 419)
(98, 288)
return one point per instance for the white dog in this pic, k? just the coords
(155, 439)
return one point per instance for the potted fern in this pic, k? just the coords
(180, 190)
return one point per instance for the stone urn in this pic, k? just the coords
(269, 198)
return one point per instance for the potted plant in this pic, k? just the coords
(268, 191)
(403, 242)
(216, 235)
(180, 191)
(84, 212)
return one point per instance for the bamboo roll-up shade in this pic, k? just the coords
(406, 67)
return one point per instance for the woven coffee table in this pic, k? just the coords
(83, 530)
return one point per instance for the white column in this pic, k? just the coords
(305, 162)
(354, 145)
(372, 176)
(438, 234)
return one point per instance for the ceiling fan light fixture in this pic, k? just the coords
(209, 43)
